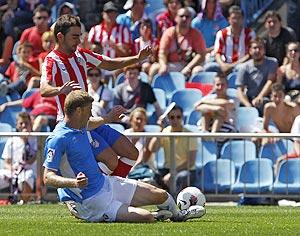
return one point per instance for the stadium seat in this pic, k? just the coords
(161, 99)
(117, 127)
(239, 151)
(186, 99)
(288, 178)
(256, 176)
(193, 118)
(121, 78)
(246, 119)
(204, 77)
(192, 128)
(152, 128)
(231, 80)
(28, 93)
(169, 82)
(160, 158)
(218, 176)
(9, 115)
(207, 151)
(204, 88)
(4, 127)
(286, 146)
(270, 151)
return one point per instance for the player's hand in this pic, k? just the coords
(81, 180)
(144, 53)
(68, 87)
(116, 114)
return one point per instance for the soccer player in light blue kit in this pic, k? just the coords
(71, 167)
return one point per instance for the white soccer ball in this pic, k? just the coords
(190, 196)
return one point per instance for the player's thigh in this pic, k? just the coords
(125, 148)
(147, 194)
(109, 134)
(133, 214)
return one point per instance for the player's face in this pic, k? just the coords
(85, 114)
(277, 97)
(257, 51)
(138, 121)
(175, 118)
(24, 125)
(72, 39)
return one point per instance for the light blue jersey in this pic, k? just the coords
(68, 152)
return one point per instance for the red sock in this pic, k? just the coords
(123, 167)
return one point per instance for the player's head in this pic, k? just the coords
(175, 117)
(277, 93)
(78, 105)
(67, 32)
(138, 119)
(24, 123)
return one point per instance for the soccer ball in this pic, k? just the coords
(190, 196)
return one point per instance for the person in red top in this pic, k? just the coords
(181, 48)
(166, 19)
(48, 43)
(25, 71)
(34, 33)
(43, 110)
(65, 70)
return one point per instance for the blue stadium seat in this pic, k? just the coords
(186, 99)
(286, 146)
(239, 151)
(231, 80)
(246, 119)
(256, 176)
(192, 128)
(160, 158)
(207, 151)
(161, 99)
(28, 93)
(270, 151)
(152, 128)
(169, 82)
(9, 115)
(194, 117)
(204, 77)
(4, 127)
(288, 178)
(218, 176)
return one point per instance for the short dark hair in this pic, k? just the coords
(176, 107)
(146, 22)
(258, 40)
(133, 67)
(272, 14)
(235, 9)
(64, 23)
(41, 8)
(278, 87)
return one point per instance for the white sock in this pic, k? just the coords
(169, 205)
(104, 168)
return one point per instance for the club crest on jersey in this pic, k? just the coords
(50, 154)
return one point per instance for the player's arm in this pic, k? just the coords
(121, 62)
(47, 90)
(51, 178)
(243, 97)
(267, 116)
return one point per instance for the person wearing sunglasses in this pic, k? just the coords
(34, 34)
(185, 152)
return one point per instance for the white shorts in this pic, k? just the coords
(104, 205)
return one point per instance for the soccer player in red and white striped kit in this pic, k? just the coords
(65, 69)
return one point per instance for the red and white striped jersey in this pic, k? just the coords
(59, 68)
(231, 49)
(118, 34)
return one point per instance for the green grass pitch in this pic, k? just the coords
(54, 219)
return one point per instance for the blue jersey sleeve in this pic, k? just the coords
(55, 148)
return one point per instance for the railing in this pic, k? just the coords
(39, 194)
(253, 9)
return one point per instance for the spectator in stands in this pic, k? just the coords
(132, 18)
(185, 152)
(289, 74)
(293, 16)
(296, 154)
(146, 39)
(25, 71)
(255, 77)
(274, 110)
(277, 37)
(232, 43)
(114, 39)
(102, 95)
(181, 48)
(209, 21)
(166, 19)
(19, 156)
(138, 120)
(34, 34)
(134, 93)
(218, 110)
(48, 43)
(43, 110)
